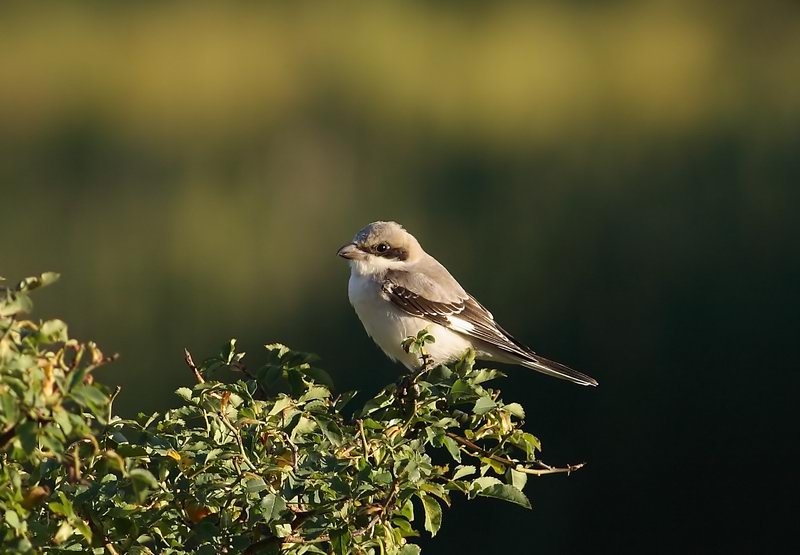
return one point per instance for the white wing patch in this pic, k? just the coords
(459, 324)
(467, 317)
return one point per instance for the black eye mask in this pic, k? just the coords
(393, 253)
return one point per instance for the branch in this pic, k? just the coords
(363, 438)
(237, 436)
(8, 329)
(478, 451)
(187, 357)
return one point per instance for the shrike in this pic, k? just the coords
(397, 289)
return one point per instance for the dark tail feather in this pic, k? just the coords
(557, 370)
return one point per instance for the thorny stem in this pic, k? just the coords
(476, 451)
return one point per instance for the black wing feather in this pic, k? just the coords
(483, 328)
(469, 310)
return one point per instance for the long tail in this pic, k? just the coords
(556, 369)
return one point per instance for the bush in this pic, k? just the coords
(254, 460)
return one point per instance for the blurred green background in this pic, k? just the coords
(616, 181)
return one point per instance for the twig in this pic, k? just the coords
(242, 368)
(237, 436)
(261, 545)
(96, 531)
(110, 414)
(295, 451)
(7, 331)
(363, 438)
(476, 450)
(383, 509)
(187, 356)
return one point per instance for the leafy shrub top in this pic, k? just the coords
(255, 460)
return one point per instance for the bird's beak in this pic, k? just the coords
(351, 252)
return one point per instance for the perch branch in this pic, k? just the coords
(476, 450)
(187, 356)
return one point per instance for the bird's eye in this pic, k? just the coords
(382, 248)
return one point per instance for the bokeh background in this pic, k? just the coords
(617, 181)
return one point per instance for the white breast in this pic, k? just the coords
(388, 326)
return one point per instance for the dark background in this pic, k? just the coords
(616, 181)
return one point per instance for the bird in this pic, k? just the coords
(397, 289)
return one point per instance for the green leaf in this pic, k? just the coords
(495, 465)
(479, 484)
(410, 549)
(228, 351)
(277, 349)
(48, 278)
(330, 430)
(483, 405)
(272, 506)
(343, 399)
(340, 541)
(527, 442)
(485, 374)
(13, 520)
(518, 479)
(515, 409)
(433, 513)
(316, 392)
(506, 493)
(144, 477)
(280, 404)
(302, 427)
(461, 389)
(130, 450)
(281, 530)
(320, 376)
(53, 330)
(83, 528)
(16, 304)
(463, 471)
(26, 432)
(89, 395)
(75, 378)
(142, 481)
(63, 533)
(407, 510)
(57, 508)
(62, 418)
(255, 485)
(184, 393)
(404, 527)
(452, 448)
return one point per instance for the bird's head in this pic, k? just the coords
(381, 246)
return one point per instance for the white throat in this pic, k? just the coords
(374, 266)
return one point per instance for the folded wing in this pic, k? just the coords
(463, 314)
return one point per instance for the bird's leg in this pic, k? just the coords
(408, 386)
(426, 360)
